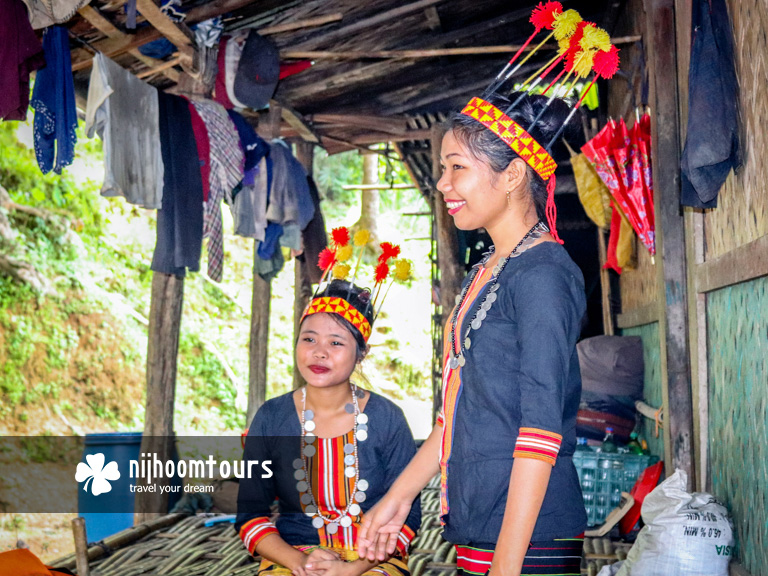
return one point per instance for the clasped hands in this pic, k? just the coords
(323, 562)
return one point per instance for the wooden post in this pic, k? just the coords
(670, 239)
(81, 547)
(302, 289)
(162, 354)
(269, 128)
(451, 272)
(605, 285)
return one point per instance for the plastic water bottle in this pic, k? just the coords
(609, 444)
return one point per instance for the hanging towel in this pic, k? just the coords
(44, 13)
(20, 54)
(53, 99)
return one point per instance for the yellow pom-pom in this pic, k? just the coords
(595, 39)
(565, 24)
(362, 237)
(344, 253)
(402, 270)
(564, 44)
(582, 66)
(341, 271)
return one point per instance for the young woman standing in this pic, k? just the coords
(510, 497)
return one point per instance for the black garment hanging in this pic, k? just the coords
(180, 220)
(712, 141)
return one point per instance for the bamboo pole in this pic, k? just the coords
(81, 547)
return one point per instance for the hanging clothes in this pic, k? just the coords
(249, 207)
(123, 110)
(203, 149)
(20, 54)
(227, 162)
(53, 100)
(314, 237)
(45, 13)
(220, 86)
(290, 201)
(180, 220)
(712, 139)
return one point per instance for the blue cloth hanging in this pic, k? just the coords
(53, 100)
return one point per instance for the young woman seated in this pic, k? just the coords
(335, 450)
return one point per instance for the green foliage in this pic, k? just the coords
(21, 176)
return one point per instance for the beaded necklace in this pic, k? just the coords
(351, 465)
(458, 359)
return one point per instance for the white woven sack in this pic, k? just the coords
(684, 534)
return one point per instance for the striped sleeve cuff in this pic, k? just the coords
(404, 540)
(254, 531)
(440, 419)
(538, 444)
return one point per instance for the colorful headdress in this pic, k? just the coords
(583, 49)
(336, 294)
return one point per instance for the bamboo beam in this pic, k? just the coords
(383, 186)
(745, 263)
(297, 122)
(164, 67)
(671, 263)
(391, 124)
(98, 21)
(299, 24)
(383, 17)
(368, 139)
(426, 53)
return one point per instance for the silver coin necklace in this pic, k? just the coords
(458, 359)
(351, 465)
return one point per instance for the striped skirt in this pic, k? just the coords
(553, 557)
(392, 567)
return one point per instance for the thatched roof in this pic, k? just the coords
(362, 87)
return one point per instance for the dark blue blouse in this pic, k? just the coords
(275, 434)
(521, 371)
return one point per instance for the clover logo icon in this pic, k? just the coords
(96, 474)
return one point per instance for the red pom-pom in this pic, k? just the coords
(382, 271)
(606, 64)
(340, 236)
(326, 259)
(543, 15)
(389, 250)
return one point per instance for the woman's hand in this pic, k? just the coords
(381, 527)
(330, 568)
(307, 566)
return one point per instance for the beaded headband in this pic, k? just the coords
(333, 263)
(337, 305)
(584, 49)
(513, 134)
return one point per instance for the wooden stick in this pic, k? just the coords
(121, 539)
(426, 53)
(377, 187)
(160, 68)
(81, 547)
(308, 23)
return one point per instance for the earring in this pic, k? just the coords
(509, 206)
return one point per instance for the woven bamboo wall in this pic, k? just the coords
(638, 286)
(742, 212)
(652, 384)
(737, 322)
